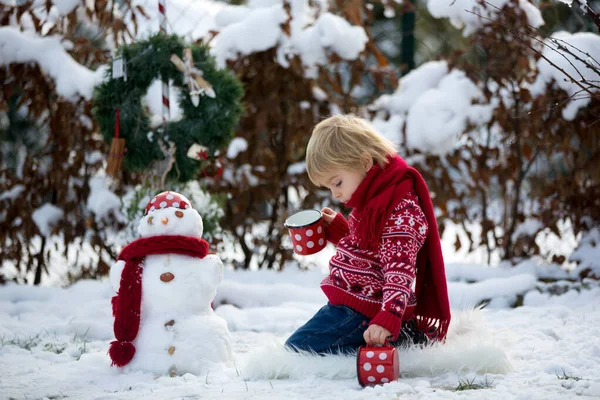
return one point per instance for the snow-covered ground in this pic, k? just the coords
(53, 344)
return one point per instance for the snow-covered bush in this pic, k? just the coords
(52, 53)
(505, 131)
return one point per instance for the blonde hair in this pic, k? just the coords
(341, 142)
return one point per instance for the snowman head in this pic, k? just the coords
(170, 213)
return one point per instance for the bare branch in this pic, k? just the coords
(530, 47)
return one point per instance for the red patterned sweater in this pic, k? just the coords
(378, 284)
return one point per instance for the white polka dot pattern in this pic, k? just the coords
(166, 200)
(373, 369)
(311, 239)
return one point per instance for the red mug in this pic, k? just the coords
(376, 365)
(306, 231)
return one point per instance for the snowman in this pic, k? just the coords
(165, 283)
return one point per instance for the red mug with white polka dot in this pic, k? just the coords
(306, 231)
(376, 365)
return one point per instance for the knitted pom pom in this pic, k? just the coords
(121, 353)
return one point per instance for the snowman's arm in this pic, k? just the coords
(115, 274)
(216, 265)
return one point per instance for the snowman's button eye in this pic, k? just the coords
(179, 214)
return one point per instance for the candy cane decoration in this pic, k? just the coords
(162, 15)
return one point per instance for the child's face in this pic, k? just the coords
(343, 183)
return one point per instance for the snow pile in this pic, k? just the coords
(435, 104)
(258, 27)
(102, 200)
(578, 55)
(472, 15)
(71, 78)
(236, 146)
(46, 217)
(586, 255)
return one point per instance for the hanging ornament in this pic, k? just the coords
(117, 149)
(193, 76)
(200, 153)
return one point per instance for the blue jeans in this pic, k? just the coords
(340, 329)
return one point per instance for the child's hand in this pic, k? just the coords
(328, 215)
(376, 334)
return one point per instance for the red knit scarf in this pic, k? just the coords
(127, 303)
(373, 202)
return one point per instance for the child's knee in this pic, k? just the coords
(294, 343)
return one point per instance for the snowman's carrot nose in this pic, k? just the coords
(165, 220)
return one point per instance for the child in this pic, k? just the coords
(387, 277)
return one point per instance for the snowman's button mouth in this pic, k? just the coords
(167, 277)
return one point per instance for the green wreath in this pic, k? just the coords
(210, 123)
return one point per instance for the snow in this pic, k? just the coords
(412, 86)
(13, 193)
(529, 227)
(192, 19)
(297, 168)
(472, 16)
(58, 338)
(244, 30)
(64, 7)
(72, 79)
(583, 46)
(258, 32)
(102, 200)
(435, 104)
(236, 146)
(586, 253)
(46, 217)
(329, 32)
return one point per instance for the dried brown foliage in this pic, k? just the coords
(281, 110)
(57, 169)
(528, 162)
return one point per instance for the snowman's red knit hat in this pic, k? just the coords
(167, 199)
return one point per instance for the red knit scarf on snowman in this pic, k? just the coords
(373, 201)
(126, 305)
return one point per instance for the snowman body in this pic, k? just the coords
(179, 332)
